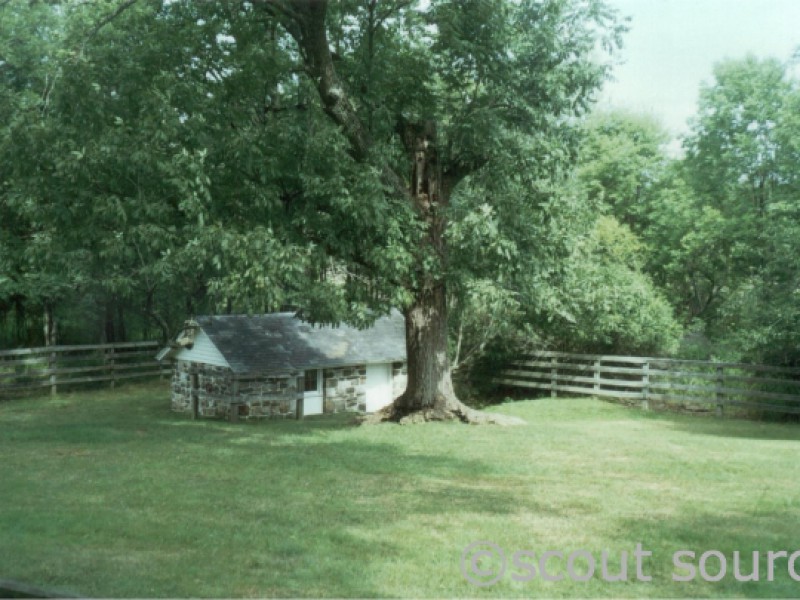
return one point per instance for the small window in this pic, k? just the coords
(312, 383)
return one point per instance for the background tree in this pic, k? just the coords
(741, 169)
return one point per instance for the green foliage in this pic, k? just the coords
(613, 307)
(168, 158)
(719, 228)
(724, 230)
(622, 159)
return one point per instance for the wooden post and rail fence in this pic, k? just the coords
(695, 385)
(57, 367)
(702, 385)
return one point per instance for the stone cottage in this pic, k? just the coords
(276, 365)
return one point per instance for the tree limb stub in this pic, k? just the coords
(107, 19)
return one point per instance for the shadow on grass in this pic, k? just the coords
(736, 426)
(747, 430)
(144, 502)
(730, 427)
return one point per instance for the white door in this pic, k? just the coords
(312, 392)
(379, 386)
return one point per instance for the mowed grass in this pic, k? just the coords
(110, 494)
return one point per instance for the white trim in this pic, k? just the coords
(203, 351)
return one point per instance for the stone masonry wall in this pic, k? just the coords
(215, 391)
(181, 387)
(274, 396)
(345, 389)
(214, 388)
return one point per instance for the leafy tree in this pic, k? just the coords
(425, 100)
(606, 301)
(722, 225)
(622, 161)
(335, 157)
(615, 306)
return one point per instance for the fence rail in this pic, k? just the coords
(60, 366)
(696, 384)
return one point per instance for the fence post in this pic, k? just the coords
(52, 364)
(646, 385)
(109, 359)
(720, 396)
(597, 376)
(553, 377)
(298, 404)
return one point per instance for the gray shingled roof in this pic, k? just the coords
(281, 342)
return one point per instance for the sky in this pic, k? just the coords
(672, 46)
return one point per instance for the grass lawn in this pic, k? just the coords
(110, 494)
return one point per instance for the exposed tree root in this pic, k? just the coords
(450, 410)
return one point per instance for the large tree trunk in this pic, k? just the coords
(50, 325)
(430, 387)
(429, 383)
(429, 393)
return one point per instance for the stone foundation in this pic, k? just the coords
(345, 389)
(273, 396)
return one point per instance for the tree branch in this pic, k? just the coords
(107, 19)
(304, 20)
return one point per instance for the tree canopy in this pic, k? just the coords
(160, 159)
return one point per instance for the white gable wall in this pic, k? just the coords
(202, 351)
(378, 386)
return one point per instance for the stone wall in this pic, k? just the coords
(272, 396)
(181, 387)
(214, 388)
(215, 391)
(345, 389)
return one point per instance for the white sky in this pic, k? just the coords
(672, 45)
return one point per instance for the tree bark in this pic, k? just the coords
(429, 383)
(50, 325)
(429, 394)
